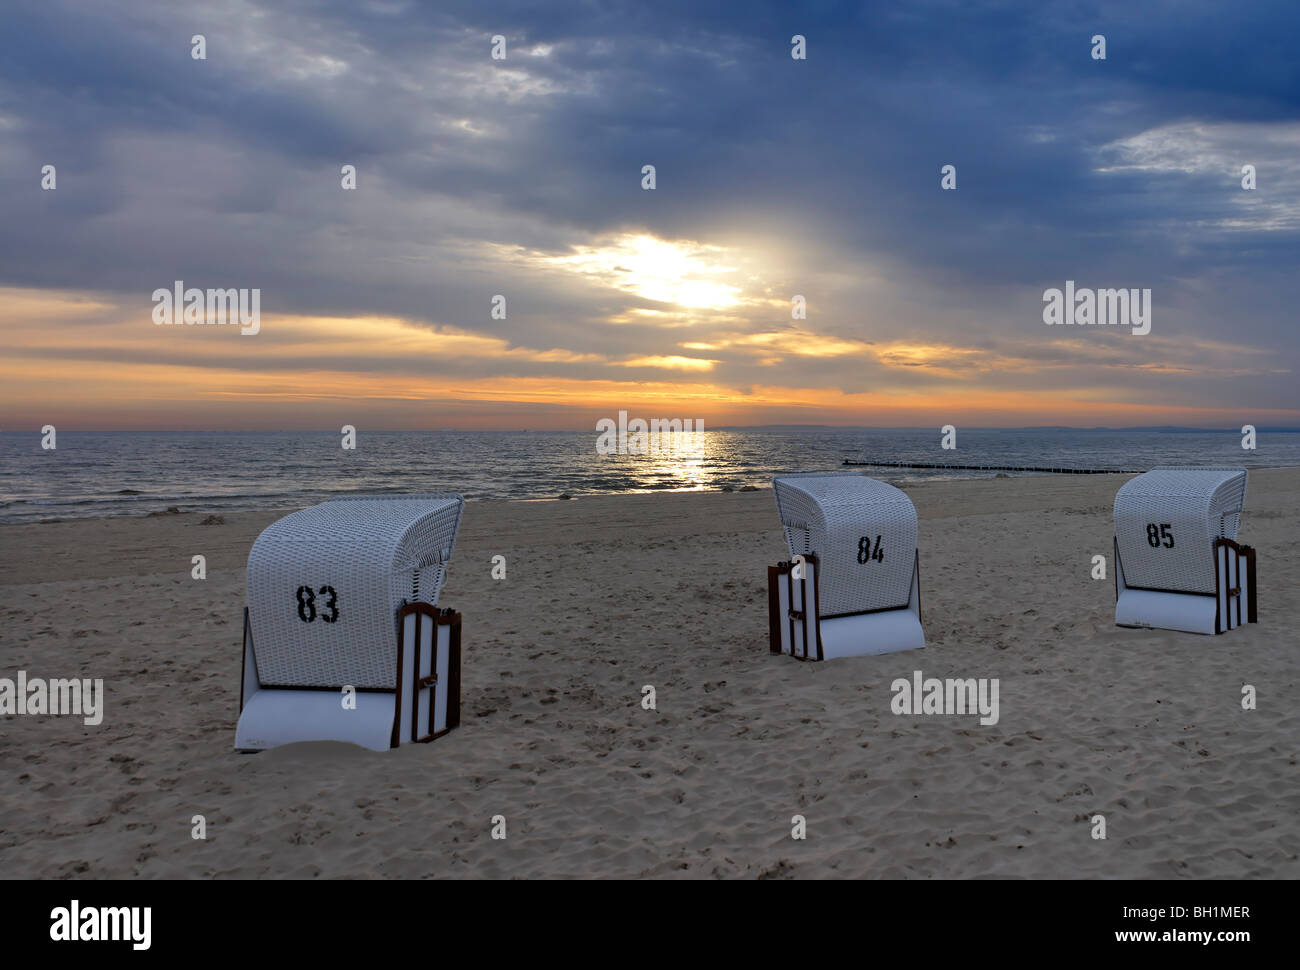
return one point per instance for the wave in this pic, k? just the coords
(135, 473)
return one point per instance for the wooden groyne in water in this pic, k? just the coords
(995, 468)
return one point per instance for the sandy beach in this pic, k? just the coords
(606, 595)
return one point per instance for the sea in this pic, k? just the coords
(93, 474)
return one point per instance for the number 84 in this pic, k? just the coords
(866, 554)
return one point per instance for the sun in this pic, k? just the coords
(682, 273)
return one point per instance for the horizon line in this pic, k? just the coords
(1281, 429)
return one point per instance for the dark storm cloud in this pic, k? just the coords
(225, 171)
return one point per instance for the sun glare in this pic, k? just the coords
(682, 273)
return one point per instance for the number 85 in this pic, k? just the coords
(1165, 532)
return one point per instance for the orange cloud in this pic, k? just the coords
(86, 361)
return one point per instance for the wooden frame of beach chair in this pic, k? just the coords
(1178, 565)
(853, 584)
(343, 595)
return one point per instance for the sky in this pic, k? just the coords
(522, 177)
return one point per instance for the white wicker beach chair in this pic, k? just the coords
(1178, 565)
(852, 586)
(343, 594)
